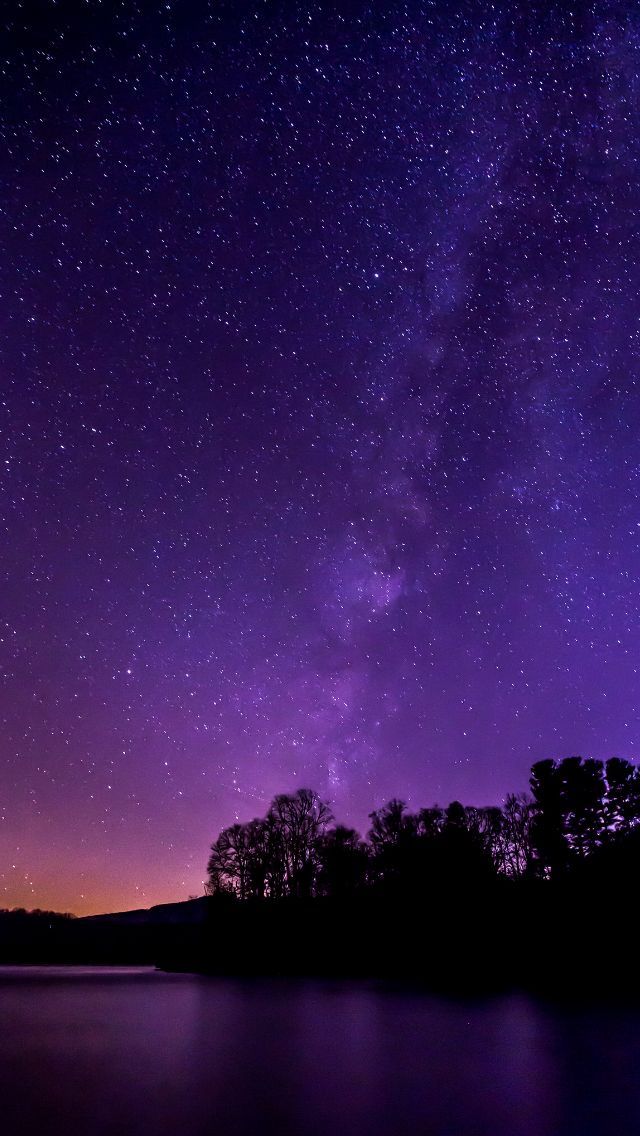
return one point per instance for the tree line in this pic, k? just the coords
(575, 808)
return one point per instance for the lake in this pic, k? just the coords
(118, 1051)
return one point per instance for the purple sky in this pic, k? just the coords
(320, 425)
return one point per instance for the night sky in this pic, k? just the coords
(320, 328)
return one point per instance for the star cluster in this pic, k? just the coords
(320, 335)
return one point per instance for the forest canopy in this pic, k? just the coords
(574, 809)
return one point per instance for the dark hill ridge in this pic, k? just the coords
(189, 911)
(141, 936)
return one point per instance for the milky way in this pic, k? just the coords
(320, 334)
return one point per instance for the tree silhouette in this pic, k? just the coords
(548, 829)
(622, 807)
(343, 862)
(393, 838)
(274, 856)
(577, 808)
(583, 793)
(299, 819)
(517, 859)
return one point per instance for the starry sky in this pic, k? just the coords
(320, 460)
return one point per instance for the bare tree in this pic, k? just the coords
(518, 813)
(298, 821)
(228, 865)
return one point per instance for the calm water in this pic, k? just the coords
(133, 1051)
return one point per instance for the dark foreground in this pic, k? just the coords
(566, 942)
(100, 1052)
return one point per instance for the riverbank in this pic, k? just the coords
(550, 940)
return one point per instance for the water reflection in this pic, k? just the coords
(104, 1052)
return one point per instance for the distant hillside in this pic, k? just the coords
(141, 936)
(189, 911)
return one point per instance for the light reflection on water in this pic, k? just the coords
(114, 1051)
